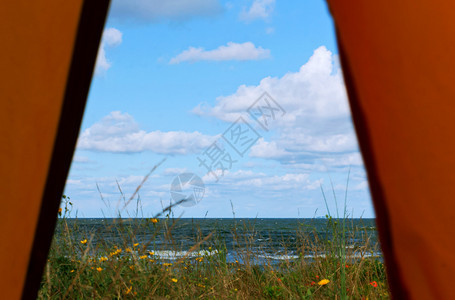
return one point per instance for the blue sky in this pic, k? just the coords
(172, 77)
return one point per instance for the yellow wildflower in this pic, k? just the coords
(135, 245)
(323, 282)
(128, 250)
(143, 257)
(167, 264)
(154, 220)
(128, 290)
(151, 253)
(99, 269)
(115, 252)
(84, 242)
(174, 279)
(132, 267)
(104, 258)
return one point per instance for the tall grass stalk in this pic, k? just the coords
(86, 262)
(339, 237)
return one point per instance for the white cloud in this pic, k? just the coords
(317, 121)
(111, 38)
(81, 159)
(260, 9)
(313, 93)
(270, 30)
(265, 149)
(175, 171)
(361, 186)
(233, 51)
(118, 132)
(73, 181)
(304, 139)
(344, 159)
(158, 10)
(242, 179)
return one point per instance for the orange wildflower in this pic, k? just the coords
(374, 284)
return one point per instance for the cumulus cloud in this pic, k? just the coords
(313, 93)
(111, 38)
(118, 132)
(265, 149)
(158, 10)
(242, 179)
(317, 120)
(233, 51)
(259, 9)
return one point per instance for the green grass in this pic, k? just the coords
(78, 270)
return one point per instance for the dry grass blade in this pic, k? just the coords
(195, 247)
(142, 183)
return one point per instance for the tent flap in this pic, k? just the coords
(398, 66)
(47, 56)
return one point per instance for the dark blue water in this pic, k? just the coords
(272, 239)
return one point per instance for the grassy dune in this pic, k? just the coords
(78, 268)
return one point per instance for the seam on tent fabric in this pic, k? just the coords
(87, 39)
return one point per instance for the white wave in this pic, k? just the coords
(355, 255)
(170, 254)
(279, 257)
(320, 255)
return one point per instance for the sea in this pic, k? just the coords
(270, 239)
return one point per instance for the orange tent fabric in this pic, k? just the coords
(47, 56)
(398, 65)
(398, 62)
